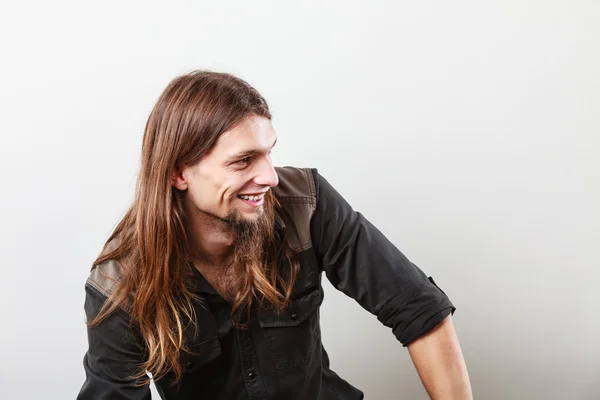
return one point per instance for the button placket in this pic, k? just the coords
(254, 383)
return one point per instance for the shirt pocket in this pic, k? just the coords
(294, 333)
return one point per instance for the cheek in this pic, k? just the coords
(230, 196)
(198, 198)
(218, 191)
(230, 190)
(204, 193)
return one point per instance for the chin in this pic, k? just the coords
(251, 216)
(245, 215)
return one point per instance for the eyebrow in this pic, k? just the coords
(247, 153)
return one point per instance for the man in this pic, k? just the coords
(212, 280)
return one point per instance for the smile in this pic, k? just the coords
(252, 198)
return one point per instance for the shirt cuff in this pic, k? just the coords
(425, 310)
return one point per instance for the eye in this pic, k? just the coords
(245, 160)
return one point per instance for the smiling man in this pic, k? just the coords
(212, 280)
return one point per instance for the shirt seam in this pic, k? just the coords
(297, 199)
(96, 286)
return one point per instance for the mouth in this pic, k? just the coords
(254, 200)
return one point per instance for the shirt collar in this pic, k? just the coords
(200, 284)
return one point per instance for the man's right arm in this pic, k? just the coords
(114, 354)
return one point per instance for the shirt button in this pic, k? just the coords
(294, 316)
(251, 375)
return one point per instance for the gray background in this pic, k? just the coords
(467, 131)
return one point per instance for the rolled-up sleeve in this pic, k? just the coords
(114, 355)
(362, 263)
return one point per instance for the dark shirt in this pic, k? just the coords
(280, 356)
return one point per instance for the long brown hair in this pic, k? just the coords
(150, 243)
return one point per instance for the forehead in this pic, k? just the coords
(254, 133)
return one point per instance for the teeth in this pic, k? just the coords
(252, 198)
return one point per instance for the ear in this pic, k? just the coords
(179, 180)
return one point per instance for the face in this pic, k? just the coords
(230, 182)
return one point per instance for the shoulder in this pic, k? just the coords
(295, 184)
(297, 195)
(105, 277)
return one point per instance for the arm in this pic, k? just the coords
(113, 355)
(361, 262)
(439, 361)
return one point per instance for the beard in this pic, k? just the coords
(251, 239)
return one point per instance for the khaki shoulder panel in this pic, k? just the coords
(295, 183)
(297, 195)
(105, 277)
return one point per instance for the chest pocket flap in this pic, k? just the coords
(302, 306)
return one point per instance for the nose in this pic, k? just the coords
(266, 174)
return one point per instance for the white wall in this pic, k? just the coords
(467, 131)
